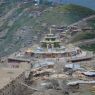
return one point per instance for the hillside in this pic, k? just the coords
(25, 22)
(66, 14)
(83, 36)
(88, 35)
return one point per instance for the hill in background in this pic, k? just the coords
(66, 14)
(27, 21)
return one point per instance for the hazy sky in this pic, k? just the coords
(87, 3)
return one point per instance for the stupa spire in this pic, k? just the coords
(50, 31)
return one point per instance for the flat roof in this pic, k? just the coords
(60, 50)
(19, 59)
(45, 41)
(7, 75)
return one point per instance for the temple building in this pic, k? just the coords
(52, 47)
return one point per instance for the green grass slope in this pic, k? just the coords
(66, 15)
(83, 36)
(88, 47)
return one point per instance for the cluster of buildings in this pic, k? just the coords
(39, 64)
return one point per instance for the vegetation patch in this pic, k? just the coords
(91, 23)
(88, 47)
(83, 36)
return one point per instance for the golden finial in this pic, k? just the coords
(50, 30)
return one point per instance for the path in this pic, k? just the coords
(2, 19)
